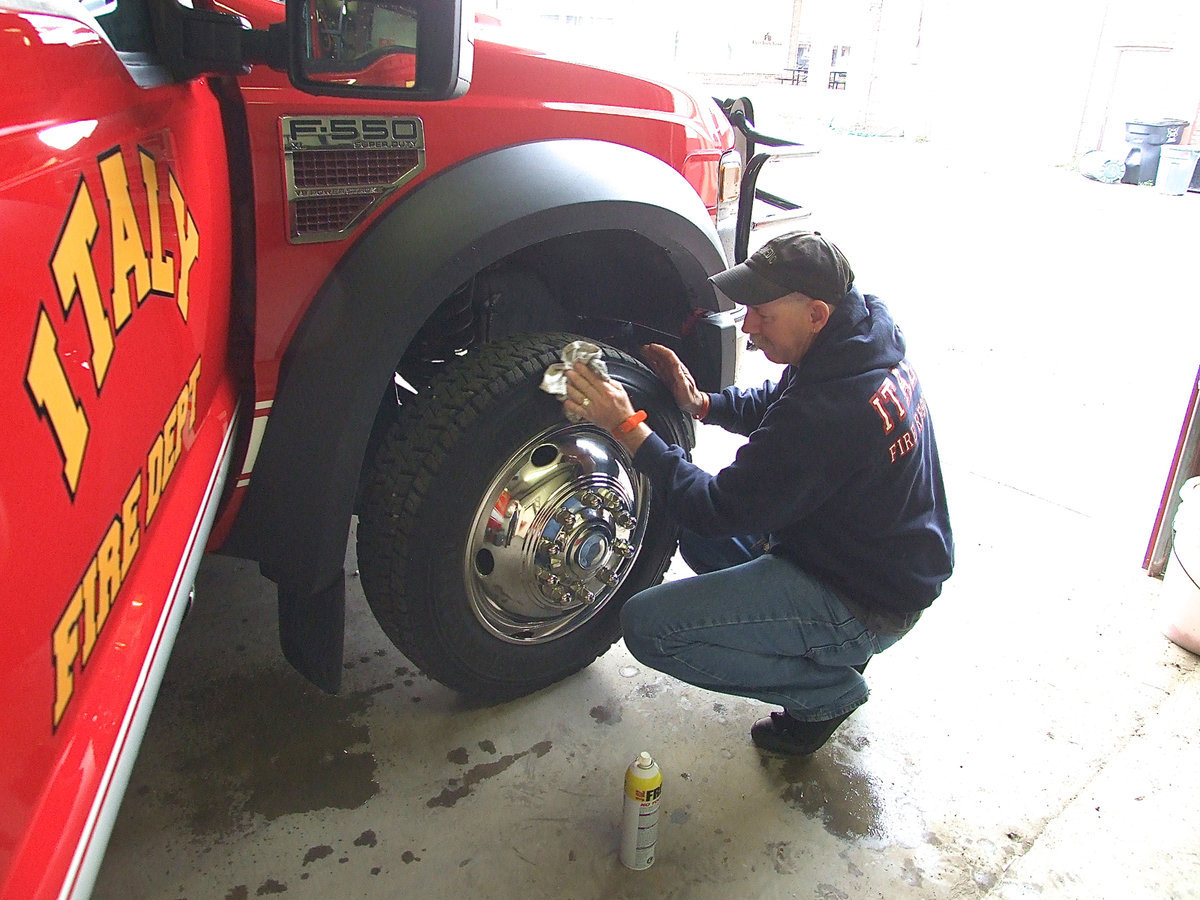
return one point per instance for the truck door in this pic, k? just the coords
(118, 405)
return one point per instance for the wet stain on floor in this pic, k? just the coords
(461, 787)
(299, 758)
(366, 839)
(315, 853)
(843, 798)
(607, 714)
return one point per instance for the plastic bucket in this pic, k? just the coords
(1175, 169)
(1181, 581)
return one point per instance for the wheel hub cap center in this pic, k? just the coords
(592, 550)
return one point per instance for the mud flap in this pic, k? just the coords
(312, 629)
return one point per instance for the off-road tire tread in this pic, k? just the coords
(404, 470)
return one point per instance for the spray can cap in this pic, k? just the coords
(644, 760)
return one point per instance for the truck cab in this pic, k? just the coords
(279, 276)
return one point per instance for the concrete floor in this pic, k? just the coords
(1035, 736)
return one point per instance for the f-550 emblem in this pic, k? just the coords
(351, 133)
(340, 168)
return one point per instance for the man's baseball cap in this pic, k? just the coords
(802, 261)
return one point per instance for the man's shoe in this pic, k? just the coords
(781, 733)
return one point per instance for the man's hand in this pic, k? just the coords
(675, 375)
(602, 402)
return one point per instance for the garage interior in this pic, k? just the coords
(1034, 736)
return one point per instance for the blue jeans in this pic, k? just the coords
(754, 625)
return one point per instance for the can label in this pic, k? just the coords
(639, 820)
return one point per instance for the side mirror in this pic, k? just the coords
(383, 49)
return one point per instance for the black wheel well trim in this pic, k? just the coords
(295, 519)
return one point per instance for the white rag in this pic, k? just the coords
(554, 382)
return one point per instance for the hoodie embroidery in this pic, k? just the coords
(892, 401)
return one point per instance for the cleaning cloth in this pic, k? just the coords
(554, 382)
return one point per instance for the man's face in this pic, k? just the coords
(785, 328)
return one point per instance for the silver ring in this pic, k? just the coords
(586, 401)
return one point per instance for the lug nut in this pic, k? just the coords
(551, 547)
(547, 578)
(625, 520)
(591, 500)
(566, 518)
(623, 547)
(608, 576)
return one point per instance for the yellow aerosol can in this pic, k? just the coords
(639, 817)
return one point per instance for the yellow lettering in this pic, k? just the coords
(168, 445)
(155, 482)
(183, 409)
(162, 274)
(189, 245)
(130, 532)
(64, 648)
(91, 613)
(128, 251)
(170, 433)
(75, 275)
(108, 569)
(78, 629)
(47, 381)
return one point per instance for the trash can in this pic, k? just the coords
(1181, 581)
(1176, 169)
(1175, 128)
(1147, 138)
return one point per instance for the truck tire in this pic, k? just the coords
(497, 541)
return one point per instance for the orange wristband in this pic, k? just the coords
(704, 412)
(631, 423)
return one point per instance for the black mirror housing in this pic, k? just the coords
(379, 49)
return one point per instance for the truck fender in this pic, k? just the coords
(295, 519)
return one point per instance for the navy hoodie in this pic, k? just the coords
(841, 468)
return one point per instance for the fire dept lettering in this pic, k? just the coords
(86, 613)
(102, 279)
(893, 402)
(133, 272)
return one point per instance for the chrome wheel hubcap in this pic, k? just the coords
(555, 535)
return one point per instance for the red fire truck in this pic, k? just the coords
(268, 270)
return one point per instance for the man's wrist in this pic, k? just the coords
(632, 440)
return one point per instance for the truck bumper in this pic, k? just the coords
(721, 340)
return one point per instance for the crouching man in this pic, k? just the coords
(823, 541)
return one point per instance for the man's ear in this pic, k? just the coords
(819, 312)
